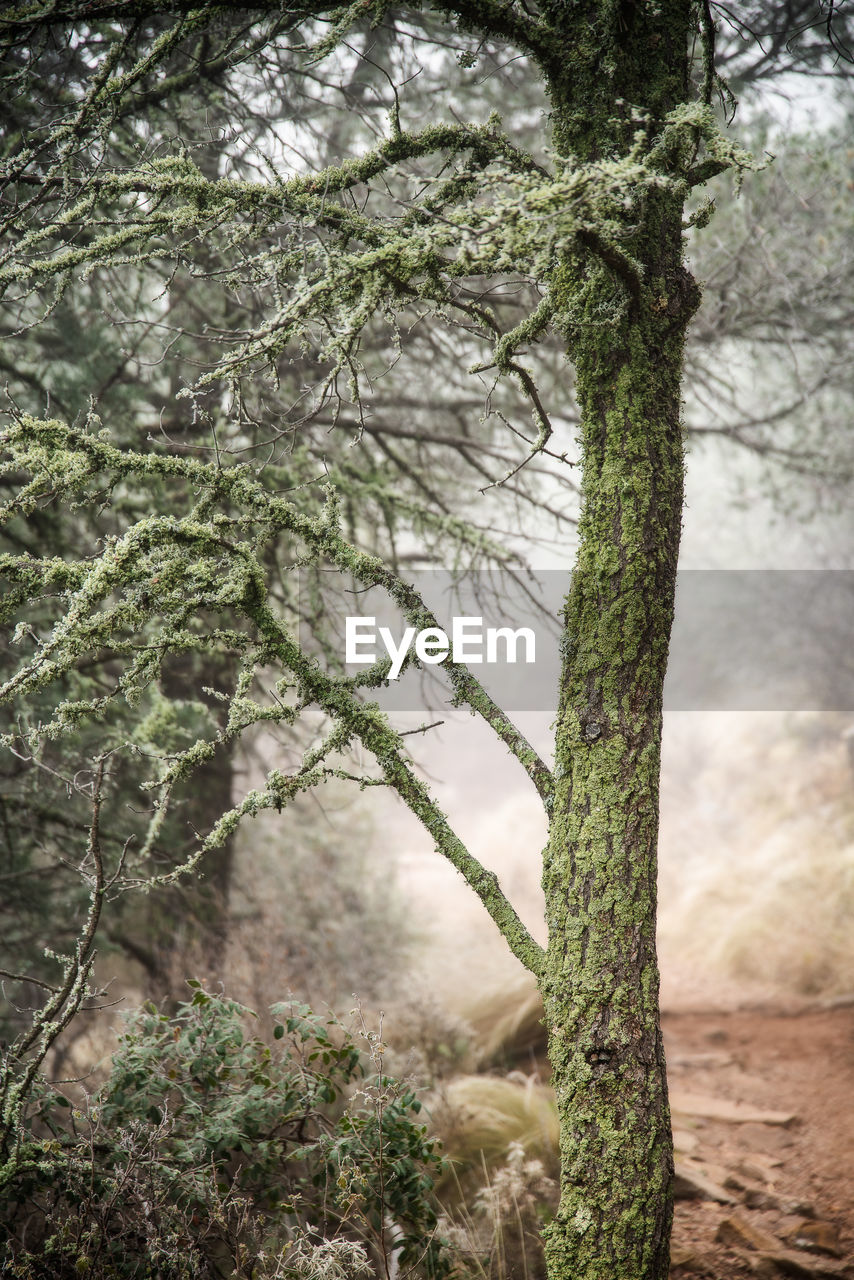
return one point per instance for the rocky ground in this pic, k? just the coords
(763, 1106)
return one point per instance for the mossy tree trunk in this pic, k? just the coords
(600, 984)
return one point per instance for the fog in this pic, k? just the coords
(757, 808)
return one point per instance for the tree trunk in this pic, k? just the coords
(183, 930)
(600, 986)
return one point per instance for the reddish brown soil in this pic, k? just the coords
(799, 1062)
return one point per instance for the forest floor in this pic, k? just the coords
(763, 1105)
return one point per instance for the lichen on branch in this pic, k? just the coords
(155, 589)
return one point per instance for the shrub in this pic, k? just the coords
(209, 1152)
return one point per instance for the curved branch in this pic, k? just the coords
(377, 736)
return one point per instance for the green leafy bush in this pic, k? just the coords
(209, 1152)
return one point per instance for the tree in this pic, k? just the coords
(77, 354)
(420, 224)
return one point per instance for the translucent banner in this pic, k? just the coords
(742, 640)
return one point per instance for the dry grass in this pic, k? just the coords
(508, 1024)
(499, 1237)
(757, 857)
(479, 1117)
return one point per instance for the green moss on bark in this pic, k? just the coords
(601, 980)
(600, 984)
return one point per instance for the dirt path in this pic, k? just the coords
(784, 1187)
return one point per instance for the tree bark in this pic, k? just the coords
(600, 985)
